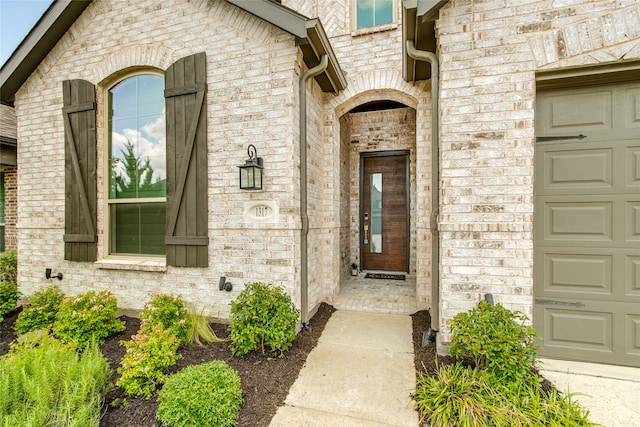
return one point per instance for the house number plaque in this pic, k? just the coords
(260, 211)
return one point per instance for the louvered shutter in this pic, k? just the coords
(186, 115)
(79, 114)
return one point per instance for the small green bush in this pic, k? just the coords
(149, 353)
(9, 297)
(8, 266)
(44, 382)
(263, 316)
(201, 395)
(41, 311)
(88, 317)
(496, 339)
(460, 396)
(168, 311)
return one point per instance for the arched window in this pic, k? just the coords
(137, 166)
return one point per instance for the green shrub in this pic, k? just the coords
(464, 397)
(148, 354)
(46, 383)
(8, 266)
(496, 339)
(263, 316)
(41, 311)
(168, 311)
(201, 395)
(90, 316)
(9, 297)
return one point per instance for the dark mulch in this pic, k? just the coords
(265, 383)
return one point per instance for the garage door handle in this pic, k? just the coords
(558, 138)
(562, 303)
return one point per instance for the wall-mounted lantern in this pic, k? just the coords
(251, 171)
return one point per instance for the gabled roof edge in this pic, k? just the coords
(56, 20)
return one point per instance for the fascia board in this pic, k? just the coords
(276, 14)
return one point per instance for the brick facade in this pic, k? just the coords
(489, 53)
(10, 206)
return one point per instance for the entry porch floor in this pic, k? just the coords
(378, 295)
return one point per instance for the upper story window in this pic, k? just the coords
(137, 166)
(373, 13)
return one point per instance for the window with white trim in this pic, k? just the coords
(137, 166)
(373, 13)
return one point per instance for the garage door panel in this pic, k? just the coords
(582, 274)
(632, 223)
(572, 169)
(632, 167)
(586, 330)
(569, 112)
(632, 99)
(594, 274)
(632, 273)
(607, 332)
(584, 221)
(632, 329)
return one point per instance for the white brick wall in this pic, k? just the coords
(252, 72)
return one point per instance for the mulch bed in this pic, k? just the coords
(265, 383)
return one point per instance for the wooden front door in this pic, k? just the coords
(384, 215)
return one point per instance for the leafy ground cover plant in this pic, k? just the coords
(463, 397)
(40, 312)
(262, 316)
(201, 395)
(497, 339)
(9, 297)
(88, 317)
(44, 382)
(8, 266)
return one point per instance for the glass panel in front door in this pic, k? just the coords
(376, 213)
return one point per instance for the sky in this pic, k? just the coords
(17, 18)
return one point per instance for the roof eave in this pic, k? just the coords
(38, 43)
(310, 36)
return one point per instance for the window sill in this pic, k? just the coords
(371, 30)
(132, 264)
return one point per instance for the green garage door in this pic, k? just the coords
(587, 223)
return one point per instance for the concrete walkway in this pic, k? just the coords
(610, 393)
(360, 375)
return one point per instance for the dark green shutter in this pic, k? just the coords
(186, 114)
(79, 114)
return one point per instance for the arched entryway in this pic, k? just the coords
(378, 216)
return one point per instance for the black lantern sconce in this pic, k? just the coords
(251, 171)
